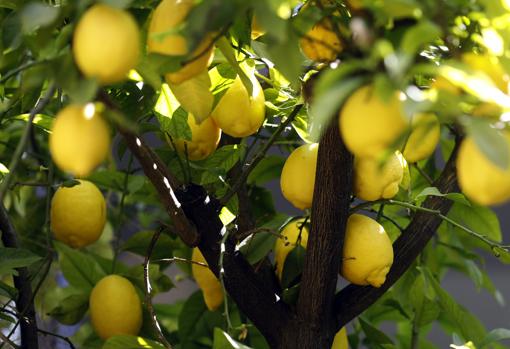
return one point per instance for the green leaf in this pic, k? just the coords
(479, 219)
(468, 325)
(194, 96)
(222, 77)
(228, 52)
(38, 15)
(159, 281)
(12, 258)
(131, 342)
(114, 180)
(219, 163)
(374, 335)
(80, 270)
(71, 309)
(222, 340)
(293, 266)
(266, 170)
(433, 191)
(496, 335)
(257, 246)
(8, 291)
(490, 141)
(139, 244)
(418, 36)
(177, 126)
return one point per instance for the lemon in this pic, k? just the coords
(80, 139)
(367, 252)
(370, 125)
(170, 15)
(298, 176)
(115, 308)
(292, 234)
(373, 181)
(491, 66)
(321, 43)
(406, 177)
(106, 43)
(204, 140)
(78, 214)
(423, 138)
(207, 281)
(482, 181)
(340, 341)
(237, 113)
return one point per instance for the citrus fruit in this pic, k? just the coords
(491, 66)
(374, 180)
(207, 281)
(79, 139)
(204, 139)
(78, 214)
(481, 180)
(424, 137)
(340, 341)
(115, 308)
(321, 43)
(169, 15)
(237, 113)
(298, 176)
(367, 252)
(292, 234)
(106, 43)
(370, 125)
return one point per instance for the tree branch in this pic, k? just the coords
(24, 303)
(330, 210)
(353, 300)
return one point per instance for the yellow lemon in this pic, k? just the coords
(168, 16)
(406, 178)
(204, 139)
(115, 308)
(207, 281)
(80, 139)
(367, 252)
(340, 341)
(321, 43)
(370, 125)
(106, 43)
(292, 234)
(489, 65)
(298, 176)
(78, 214)
(237, 113)
(423, 138)
(374, 181)
(482, 181)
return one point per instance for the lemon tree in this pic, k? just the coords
(219, 174)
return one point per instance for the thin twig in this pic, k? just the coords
(39, 106)
(18, 70)
(222, 277)
(182, 260)
(8, 341)
(64, 338)
(147, 283)
(423, 174)
(260, 155)
(241, 236)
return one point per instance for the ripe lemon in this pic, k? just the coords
(204, 140)
(207, 281)
(106, 43)
(78, 214)
(321, 43)
(367, 252)
(292, 234)
(115, 308)
(482, 181)
(80, 139)
(298, 176)
(370, 125)
(237, 113)
(168, 16)
(340, 341)
(373, 181)
(491, 66)
(423, 138)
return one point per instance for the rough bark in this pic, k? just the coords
(315, 324)
(24, 302)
